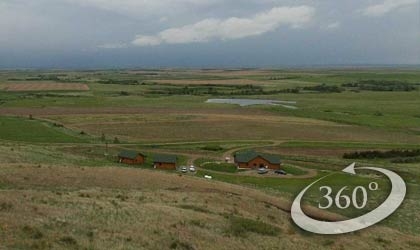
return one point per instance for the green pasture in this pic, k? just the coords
(29, 130)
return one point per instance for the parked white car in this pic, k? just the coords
(192, 168)
(184, 169)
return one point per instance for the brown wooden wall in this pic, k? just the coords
(139, 160)
(163, 165)
(257, 162)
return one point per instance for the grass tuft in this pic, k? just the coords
(240, 226)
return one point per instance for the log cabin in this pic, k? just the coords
(167, 162)
(131, 157)
(255, 160)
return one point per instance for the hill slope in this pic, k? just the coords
(50, 207)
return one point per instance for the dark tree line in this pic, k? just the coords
(321, 88)
(380, 85)
(406, 160)
(120, 81)
(382, 154)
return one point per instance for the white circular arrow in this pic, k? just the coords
(393, 201)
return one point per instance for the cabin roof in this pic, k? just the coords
(165, 158)
(129, 154)
(247, 156)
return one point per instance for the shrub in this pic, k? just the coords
(181, 245)
(68, 240)
(32, 232)
(328, 242)
(195, 208)
(198, 223)
(6, 206)
(379, 239)
(239, 226)
(212, 148)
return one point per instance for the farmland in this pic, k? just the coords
(61, 186)
(41, 86)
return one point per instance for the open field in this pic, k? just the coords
(156, 125)
(62, 188)
(188, 126)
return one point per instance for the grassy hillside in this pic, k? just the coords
(114, 208)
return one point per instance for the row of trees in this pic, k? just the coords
(380, 85)
(120, 81)
(406, 160)
(242, 90)
(321, 88)
(382, 154)
(210, 90)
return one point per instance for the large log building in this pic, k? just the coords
(254, 160)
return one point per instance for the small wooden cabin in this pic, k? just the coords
(131, 157)
(255, 160)
(165, 162)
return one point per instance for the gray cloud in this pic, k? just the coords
(113, 46)
(386, 7)
(206, 33)
(331, 26)
(230, 28)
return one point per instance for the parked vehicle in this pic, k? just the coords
(192, 168)
(184, 169)
(262, 171)
(282, 172)
(208, 177)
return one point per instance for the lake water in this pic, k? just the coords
(248, 102)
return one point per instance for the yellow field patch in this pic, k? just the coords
(44, 86)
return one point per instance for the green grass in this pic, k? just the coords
(240, 226)
(27, 130)
(359, 108)
(290, 169)
(290, 186)
(220, 167)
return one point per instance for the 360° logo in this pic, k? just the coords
(393, 201)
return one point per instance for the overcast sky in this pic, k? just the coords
(207, 33)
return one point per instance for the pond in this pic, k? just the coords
(248, 102)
